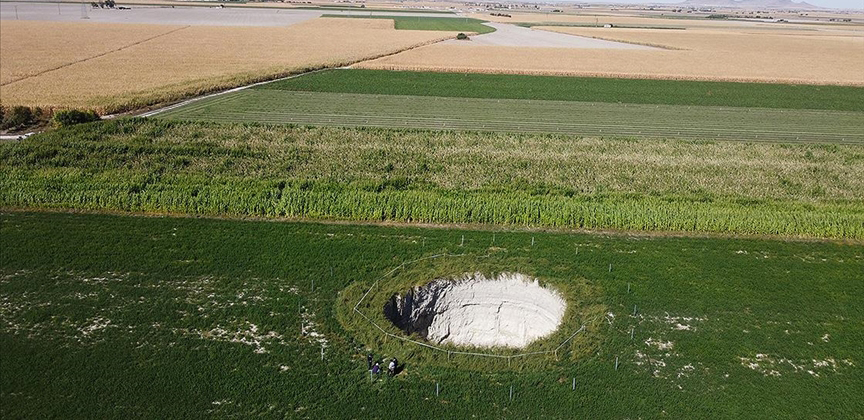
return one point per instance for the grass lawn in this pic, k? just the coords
(111, 317)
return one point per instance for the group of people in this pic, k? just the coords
(375, 367)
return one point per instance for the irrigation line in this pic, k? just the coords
(449, 352)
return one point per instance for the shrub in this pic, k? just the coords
(461, 36)
(18, 116)
(74, 116)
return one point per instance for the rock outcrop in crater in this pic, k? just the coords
(510, 310)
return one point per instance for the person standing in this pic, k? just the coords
(376, 369)
(369, 361)
(391, 368)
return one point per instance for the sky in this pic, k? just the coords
(836, 4)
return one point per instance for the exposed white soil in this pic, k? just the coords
(507, 35)
(510, 310)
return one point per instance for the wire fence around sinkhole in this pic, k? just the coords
(449, 352)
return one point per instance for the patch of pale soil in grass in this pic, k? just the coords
(246, 334)
(308, 328)
(769, 365)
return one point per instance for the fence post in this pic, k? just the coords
(610, 268)
(574, 384)
(436, 389)
(532, 241)
(463, 241)
(511, 392)
(616, 362)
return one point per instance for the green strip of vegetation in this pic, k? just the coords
(439, 177)
(118, 317)
(523, 115)
(587, 89)
(420, 23)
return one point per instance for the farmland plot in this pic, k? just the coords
(519, 115)
(180, 317)
(139, 71)
(730, 55)
(509, 179)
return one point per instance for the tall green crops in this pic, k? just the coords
(461, 178)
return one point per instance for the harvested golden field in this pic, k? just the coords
(695, 54)
(604, 18)
(126, 67)
(26, 56)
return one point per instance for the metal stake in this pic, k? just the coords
(574, 384)
(616, 362)
(436, 389)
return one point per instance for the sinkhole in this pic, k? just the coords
(509, 310)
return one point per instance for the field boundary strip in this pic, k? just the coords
(537, 116)
(62, 66)
(215, 97)
(443, 350)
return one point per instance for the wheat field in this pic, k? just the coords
(692, 54)
(129, 66)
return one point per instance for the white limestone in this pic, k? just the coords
(510, 310)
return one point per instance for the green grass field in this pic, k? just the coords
(117, 317)
(420, 23)
(556, 181)
(598, 119)
(581, 89)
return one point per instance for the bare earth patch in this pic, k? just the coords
(510, 310)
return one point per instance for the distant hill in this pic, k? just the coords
(752, 4)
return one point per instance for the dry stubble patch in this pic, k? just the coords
(30, 47)
(191, 60)
(694, 55)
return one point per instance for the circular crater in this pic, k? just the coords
(510, 310)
